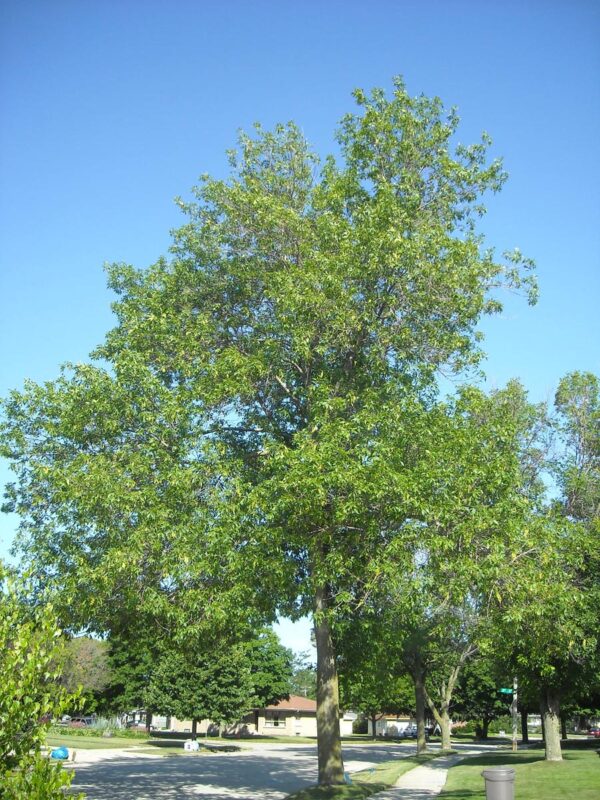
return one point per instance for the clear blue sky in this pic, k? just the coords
(110, 109)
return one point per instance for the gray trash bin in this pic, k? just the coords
(499, 783)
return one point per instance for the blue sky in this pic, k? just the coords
(110, 109)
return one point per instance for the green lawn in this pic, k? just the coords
(91, 742)
(366, 782)
(577, 777)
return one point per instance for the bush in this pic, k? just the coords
(30, 696)
(38, 779)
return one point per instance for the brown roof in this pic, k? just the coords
(295, 703)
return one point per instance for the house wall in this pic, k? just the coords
(388, 726)
(286, 723)
(267, 722)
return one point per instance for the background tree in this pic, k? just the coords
(85, 666)
(271, 668)
(304, 676)
(548, 614)
(478, 695)
(368, 682)
(208, 686)
(303, 306)
(131, 658)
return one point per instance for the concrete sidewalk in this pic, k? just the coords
(422, 783)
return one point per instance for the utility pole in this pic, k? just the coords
(514, 713)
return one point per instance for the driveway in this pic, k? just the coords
(265, 772)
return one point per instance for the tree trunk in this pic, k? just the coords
(485, 724)
(524, 729)
(550, 710)
(148, 722)
(373, 726)
(563, 726)
(419, 679)
(445, 729)
(329, 745)
(194, 729)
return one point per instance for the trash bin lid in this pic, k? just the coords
(499, 774)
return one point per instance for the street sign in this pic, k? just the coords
(505, 691)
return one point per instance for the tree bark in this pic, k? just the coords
(373, 726)
(445, 729)
(329, 745)
(550, 710)
(419, 679)
(148, 722)
(524, 729)
(194, 729)
(485, 724)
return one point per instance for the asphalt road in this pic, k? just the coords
(264, 773)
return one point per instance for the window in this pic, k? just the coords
(274, 719)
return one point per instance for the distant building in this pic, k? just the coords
(294, 717)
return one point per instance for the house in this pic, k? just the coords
(389, 725)
(294, 717)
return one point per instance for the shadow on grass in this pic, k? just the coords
(498, 759)
(353, 792)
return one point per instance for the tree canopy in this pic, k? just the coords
(243, 443)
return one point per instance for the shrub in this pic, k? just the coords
(30, 696)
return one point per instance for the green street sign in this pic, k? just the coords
(505, 691)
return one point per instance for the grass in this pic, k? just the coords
(91, 742)
(366, 782)
(577, 776)
(135, 744)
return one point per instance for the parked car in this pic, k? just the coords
(81, 722)
(410, 732)
(138, 726)
(595, 732)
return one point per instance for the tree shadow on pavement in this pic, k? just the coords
(211, 778)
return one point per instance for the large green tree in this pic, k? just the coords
(262, 379)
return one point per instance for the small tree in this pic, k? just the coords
(205, 686)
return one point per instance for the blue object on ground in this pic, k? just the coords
(347, 777)
(59, 752)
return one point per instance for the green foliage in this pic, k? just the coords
(247, 446)
(30, 696)
(211, 686)
(131, 658)
(84, 666)
(271, 668)
(40, 779)
(304, 676)
(478, 697)
(577, 402)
